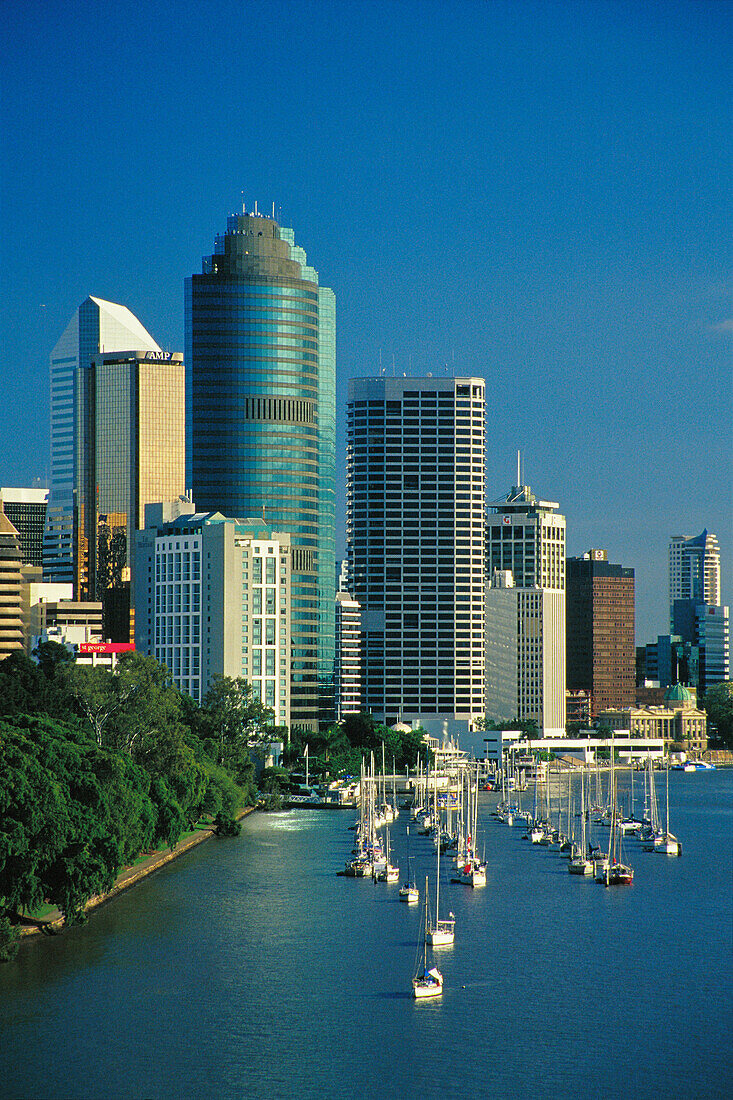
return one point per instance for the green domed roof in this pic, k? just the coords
(677, 694)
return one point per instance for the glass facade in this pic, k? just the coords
(260, 421)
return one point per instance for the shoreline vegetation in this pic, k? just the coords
(106, 776)
(145, 865)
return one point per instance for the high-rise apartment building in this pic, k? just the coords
(415, 508)
(131, 452)
(26, 510)
(600, 610)
(696, 614)
(260, 421)
(525, 611)
(694, 571)
(213, 597)
(96, 326)
(347, 662)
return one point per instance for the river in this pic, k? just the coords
(249, 968)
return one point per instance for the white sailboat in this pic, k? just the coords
(581, 865)
(442, 932)
(667, 843)
(409, 891)
(428, 982)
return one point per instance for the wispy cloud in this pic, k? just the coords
(722, 326)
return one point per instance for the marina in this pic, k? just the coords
(251, 967)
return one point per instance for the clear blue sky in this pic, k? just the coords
(536, 192)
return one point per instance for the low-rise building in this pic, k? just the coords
(678, 721)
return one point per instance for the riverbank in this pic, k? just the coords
(52, 922)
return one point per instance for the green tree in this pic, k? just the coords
(233, 722)
(51, 656)
(718, 705)
(98, 694)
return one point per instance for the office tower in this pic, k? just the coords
(131, 452)
(599, 603)
(525, 611)
(11, 616)
(260, 421)
(712, 637)
(213, 597)
(26, 510)
(694, 572)
(347, 662)
(415, 507)
(96, 326)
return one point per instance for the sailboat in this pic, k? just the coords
(442, 933)
(666, 842)
(387, 872)
(614, 872)
(428, 982)
(409, 891)
(581, 865)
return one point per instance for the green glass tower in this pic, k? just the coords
(260, 421)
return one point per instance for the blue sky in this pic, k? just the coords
(536, 192)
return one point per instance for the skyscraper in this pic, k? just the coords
(260, 421)
(131, 452)
(415, 507)
(694, 571)
(525, 611)
(95, 327)
(600, 630)
(696, 614)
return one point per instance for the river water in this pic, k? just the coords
(249, 968)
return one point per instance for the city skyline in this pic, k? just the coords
(543, 204)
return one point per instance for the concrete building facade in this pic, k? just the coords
(415, 507)
(213, 597)
(96, 326)
(347, 667)
(600, 628)
(525, 612)
(131, 452)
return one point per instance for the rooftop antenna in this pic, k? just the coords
(244, 208)
(273, 209)
(256, 212)
(519, 476)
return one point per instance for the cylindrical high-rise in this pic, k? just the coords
(260, 421)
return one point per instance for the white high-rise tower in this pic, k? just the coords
(525, 612)
(415, 511)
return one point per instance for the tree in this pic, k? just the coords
(718, 705)
(51, 656)
(98, 694)
(233, 722)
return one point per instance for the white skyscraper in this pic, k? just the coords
(694, 570)
(97, 326)
(525, 612)
(415, 514)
